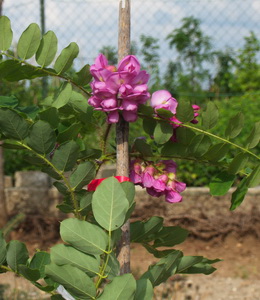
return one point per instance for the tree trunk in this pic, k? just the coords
(122, 130)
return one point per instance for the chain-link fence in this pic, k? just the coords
(93, 24)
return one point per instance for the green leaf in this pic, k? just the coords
(220, 185)
(80, 104)
(235, 126)
(2, 248)
(6, 35)
(163, 269)
(9, 67)
(85, 200)
(83, 77)
(51, 116)
(13, 125)
(143, 231)
(8, 101)
(82, 175)
(65, 208)
(184, 135)
(149, 126)
(63, 255)
(146, 110)
(184, 112)
(186, 262)
(239, 194)
(75, 281)
(19, 72)
(28, 273)
(144, 290)
(121, 287)
(84, 236)
(210, 116)
(65, 156)
(199, 145)
(39, 261)
(65, 59)
(29, 41)
(17, 254)
(11, 144)
(156, 253)
(69, 133)
(109, 204)
(63, 95)
(42, 137)
(217, 152)
(203, 267)
(164, 113)
(47, 49)
(253, 139)
(47, 288)
(174, 149)
(254, 178)
(238, 163)
(141, 146)
(50, 171)
(170, 236)
(61, 187)
(129, 190)
(57, 297)
(113, 267)
(163, 132)
(28, 111)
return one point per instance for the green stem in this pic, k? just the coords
(6, 268)
(104, 265)
(220, 138)
(70, 189)
(20, 275)
(48, 72)
(207, 133)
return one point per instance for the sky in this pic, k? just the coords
(93, 23)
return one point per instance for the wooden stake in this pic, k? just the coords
(122, 130)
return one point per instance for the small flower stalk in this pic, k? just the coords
(120, 89)
(159, 179)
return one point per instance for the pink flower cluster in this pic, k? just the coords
(163, 99)
(118, 89)
(158, 178)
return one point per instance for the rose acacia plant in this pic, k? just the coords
(54, 135)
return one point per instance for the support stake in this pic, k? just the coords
(122, 130)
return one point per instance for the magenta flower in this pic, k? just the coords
(121, 89)
(159, 179)
(163, 99)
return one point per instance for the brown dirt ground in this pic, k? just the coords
(237, 276)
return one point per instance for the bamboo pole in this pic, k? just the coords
(122, 131)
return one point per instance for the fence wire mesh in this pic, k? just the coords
(93, 24)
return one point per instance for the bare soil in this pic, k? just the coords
(237, 276)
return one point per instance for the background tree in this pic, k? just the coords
(149, 52)
(111, 54)
(194, 49)
(248, 69)
(223, 82)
